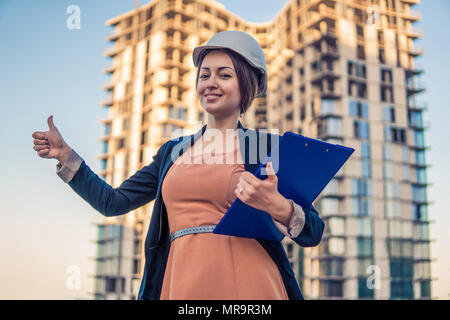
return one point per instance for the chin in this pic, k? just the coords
(217, 111)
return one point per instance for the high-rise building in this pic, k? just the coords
(340, 71)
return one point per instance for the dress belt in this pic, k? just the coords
(191, 230)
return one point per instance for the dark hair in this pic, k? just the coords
(246, 74)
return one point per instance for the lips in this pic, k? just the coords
(212, 97)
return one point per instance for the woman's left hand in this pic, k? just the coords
(264, 195)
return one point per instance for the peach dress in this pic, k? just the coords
(211, 266)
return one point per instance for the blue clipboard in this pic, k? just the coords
(304, 166)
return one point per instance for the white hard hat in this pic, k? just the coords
(243, 44)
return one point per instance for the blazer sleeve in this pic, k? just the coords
(296, 222)
(312, 231)
(136, 191)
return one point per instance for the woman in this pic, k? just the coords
(182, 260)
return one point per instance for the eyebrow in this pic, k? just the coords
(219, 68)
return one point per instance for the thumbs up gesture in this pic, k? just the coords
(50, 144)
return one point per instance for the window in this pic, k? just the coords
(104, 164)
(329, 127)
(143, 137)
(406, 172)
(361, 129)
(401, 248)
(331, 267)
(419, 140)
(388, 114)
(359, 109)
(329, 206)
(107, 129)
(386, 75)
(126, 124)
(336, 246)
(423, 231)
(363, 264)
(400, 229)
(425, 289)
(422, 250)
(334, 126)
(177, 112)
(387, 152)
(391, 190)
(365, 246)
(418, 193)
(326, 106)
(387, 94)
(120, 143)
(421, 175)
(405, 154)
(363, 289)
(361, 207)
(401, 268)
(105, 146)
(302, 113)
(365, 150)
(393, 134)
(420, 157)
(331, 288)
(365, 168)
(415, 118)
(365, 227)
(422, 269)
(331, 188)
(110, 285)
(401, 289)
(387, 170)
(336, 226)
(392, 209)
(361, 187)
(420, 212)
(360, 52)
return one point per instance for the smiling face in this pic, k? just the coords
(218, 86)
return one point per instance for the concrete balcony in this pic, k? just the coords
(108, 86)
(113, 51)
(415, 51)
(411, 2)
(108, 102)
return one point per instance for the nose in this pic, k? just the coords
(211, 82)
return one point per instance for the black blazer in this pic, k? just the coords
(145, 185)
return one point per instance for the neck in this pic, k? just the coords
(222, 124)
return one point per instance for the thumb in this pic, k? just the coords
(50, 123)
(271, 176)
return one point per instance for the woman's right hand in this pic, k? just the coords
(50, 144)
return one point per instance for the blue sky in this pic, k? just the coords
(48, 69)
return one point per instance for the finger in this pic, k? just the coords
(247, 187)
(43, 152)
(39, 135)
(40, 141)
(41, 147)
(250, 178)
(239, 195)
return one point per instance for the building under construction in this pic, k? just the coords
(339, 70)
